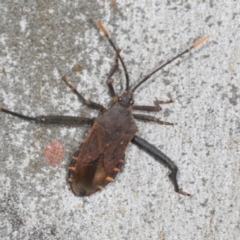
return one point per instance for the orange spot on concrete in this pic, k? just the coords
(53, 153)
(76, 68)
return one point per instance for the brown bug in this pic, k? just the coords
(101, 155)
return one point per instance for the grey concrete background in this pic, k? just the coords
(36, 36)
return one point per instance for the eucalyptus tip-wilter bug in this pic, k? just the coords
(101, 155)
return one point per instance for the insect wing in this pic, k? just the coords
(97, 161)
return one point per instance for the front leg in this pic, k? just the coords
(161, 157)
(88, 103)
(155, 108)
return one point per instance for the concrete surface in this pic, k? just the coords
(37, 36)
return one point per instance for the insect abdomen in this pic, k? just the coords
(92, 168)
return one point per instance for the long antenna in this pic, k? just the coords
(195, 44)
(105, 32)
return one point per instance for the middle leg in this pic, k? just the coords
(149, 118)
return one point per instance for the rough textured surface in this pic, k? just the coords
(37, 36)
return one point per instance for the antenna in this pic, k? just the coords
(195, 44)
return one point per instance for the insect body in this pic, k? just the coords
(101, 155)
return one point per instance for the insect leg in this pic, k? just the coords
(161, 157)
(155, 108)
(53, 119)
(149, 118)
(109, 80)
(88, 103)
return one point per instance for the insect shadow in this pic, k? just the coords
(101, 155)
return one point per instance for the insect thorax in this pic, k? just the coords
(118, 119)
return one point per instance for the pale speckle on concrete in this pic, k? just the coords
(38, 36)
